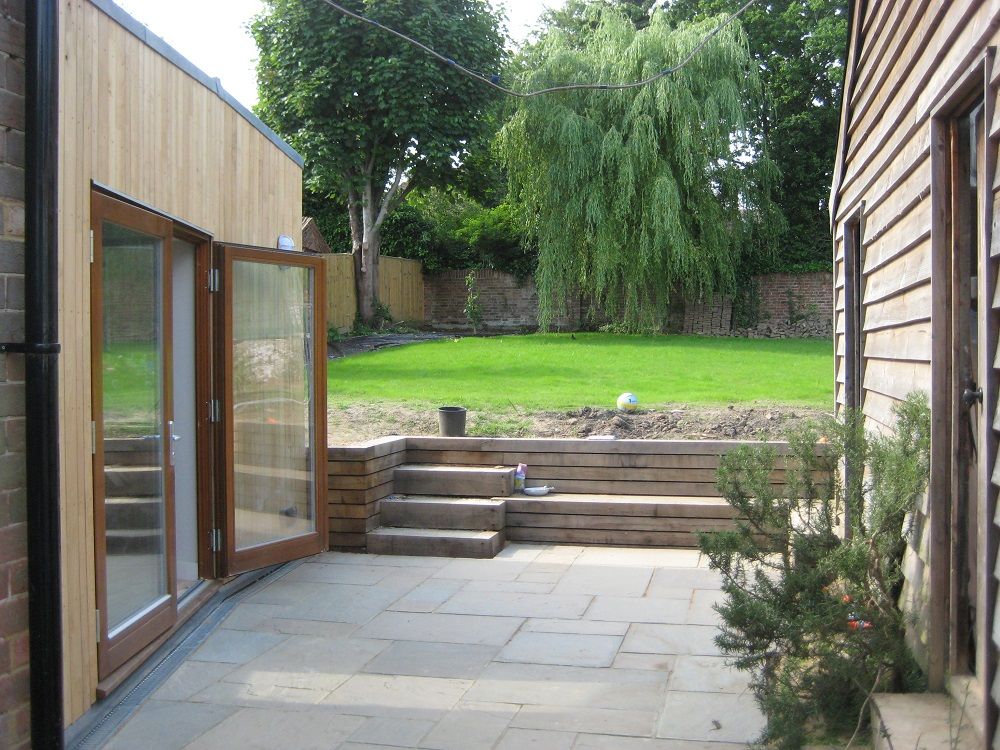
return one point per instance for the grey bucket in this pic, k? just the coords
(451, 421)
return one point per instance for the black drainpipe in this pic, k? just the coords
(41, 349)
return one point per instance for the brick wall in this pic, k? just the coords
(14, 708)
(507, 303)
(788, 305)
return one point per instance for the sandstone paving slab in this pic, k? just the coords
(441, 628)
(592, 720)
(394, 561)
(236, 646)
(398, 695)
(250, 615)
(260, 696)
(342, 603)
(191, 678)
(470, 726)
(393, 731)
(558, 553)
(583, 627)
(162, 725)
(309, 662)
(569, 649)
(357, 575)
(420, 659)
(547, 685)
(604, 580)
(283, 592)
(708, 717)
(617, 742)
(707, 674)
(516, 604)
(645, 638)
(520, 552)
(538, 572)
(666, 581)
(702, 608)
(638, 609)
(536, 739)
(322, 628)
(428, 595)
(639, 557)
(510, 587)
(483, 570)
(654, 662)
(269, 729)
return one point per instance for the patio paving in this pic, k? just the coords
(543, 647)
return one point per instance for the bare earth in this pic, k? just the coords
(360, 422)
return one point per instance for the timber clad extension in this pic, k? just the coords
(915, 203)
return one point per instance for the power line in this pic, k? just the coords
(494, 80)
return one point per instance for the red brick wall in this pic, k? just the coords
(507, 304)
(14, 717)
(782, 294)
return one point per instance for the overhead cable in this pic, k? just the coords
(494, 80)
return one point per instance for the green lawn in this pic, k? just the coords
(556, 371)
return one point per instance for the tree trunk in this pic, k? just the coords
(365, 243)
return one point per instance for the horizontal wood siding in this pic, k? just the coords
(908, 56)
(132, 121)
(359, 477)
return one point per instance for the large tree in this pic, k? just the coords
(640, 194)
(799, 47)
(374, 116)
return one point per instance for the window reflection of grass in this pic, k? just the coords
(132, 389)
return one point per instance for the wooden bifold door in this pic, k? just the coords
(209, 416)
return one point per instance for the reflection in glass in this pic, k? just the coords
(132, 389)
(272, 398)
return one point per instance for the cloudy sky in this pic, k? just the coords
(213, 33)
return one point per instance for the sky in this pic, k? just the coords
(213, 34)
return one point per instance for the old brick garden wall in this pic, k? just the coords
(779, 305)
(14, 708)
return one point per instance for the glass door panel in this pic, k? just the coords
(132, 367)
(132, 418)
(275, 406)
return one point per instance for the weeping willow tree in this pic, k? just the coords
(637, 196)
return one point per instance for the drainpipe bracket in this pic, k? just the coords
(30, 348)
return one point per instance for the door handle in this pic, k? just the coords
(173, 439)
(970, 396)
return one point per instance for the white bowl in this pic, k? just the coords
(537, 491)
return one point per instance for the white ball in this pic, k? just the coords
(628, 402)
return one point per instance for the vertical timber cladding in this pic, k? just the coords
(906, 58)
(134, 121)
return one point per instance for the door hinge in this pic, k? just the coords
(214, 281)
(97, 621)
(93, 438)
(214, 411)
(216, 541)
(91, 245)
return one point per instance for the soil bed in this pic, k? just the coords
(365, 421)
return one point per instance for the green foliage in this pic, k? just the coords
(380, 323)
(473, 309)
(815, 618)
(636, 195)
(800, 47)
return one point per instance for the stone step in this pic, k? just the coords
(435, 542)
(921, 721)
(132, 481)
(132, 513)
(433, 512)
(454, 481)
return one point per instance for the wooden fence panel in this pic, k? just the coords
(401, 288)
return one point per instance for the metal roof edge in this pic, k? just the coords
(160, 46)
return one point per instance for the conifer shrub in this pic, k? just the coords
(813, 573)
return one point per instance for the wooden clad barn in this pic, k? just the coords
(915, 206)
(186, 410)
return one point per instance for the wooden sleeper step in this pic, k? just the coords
(434, 512)
(454, 481)
(435, 542)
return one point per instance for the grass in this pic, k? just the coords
(558, 371)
